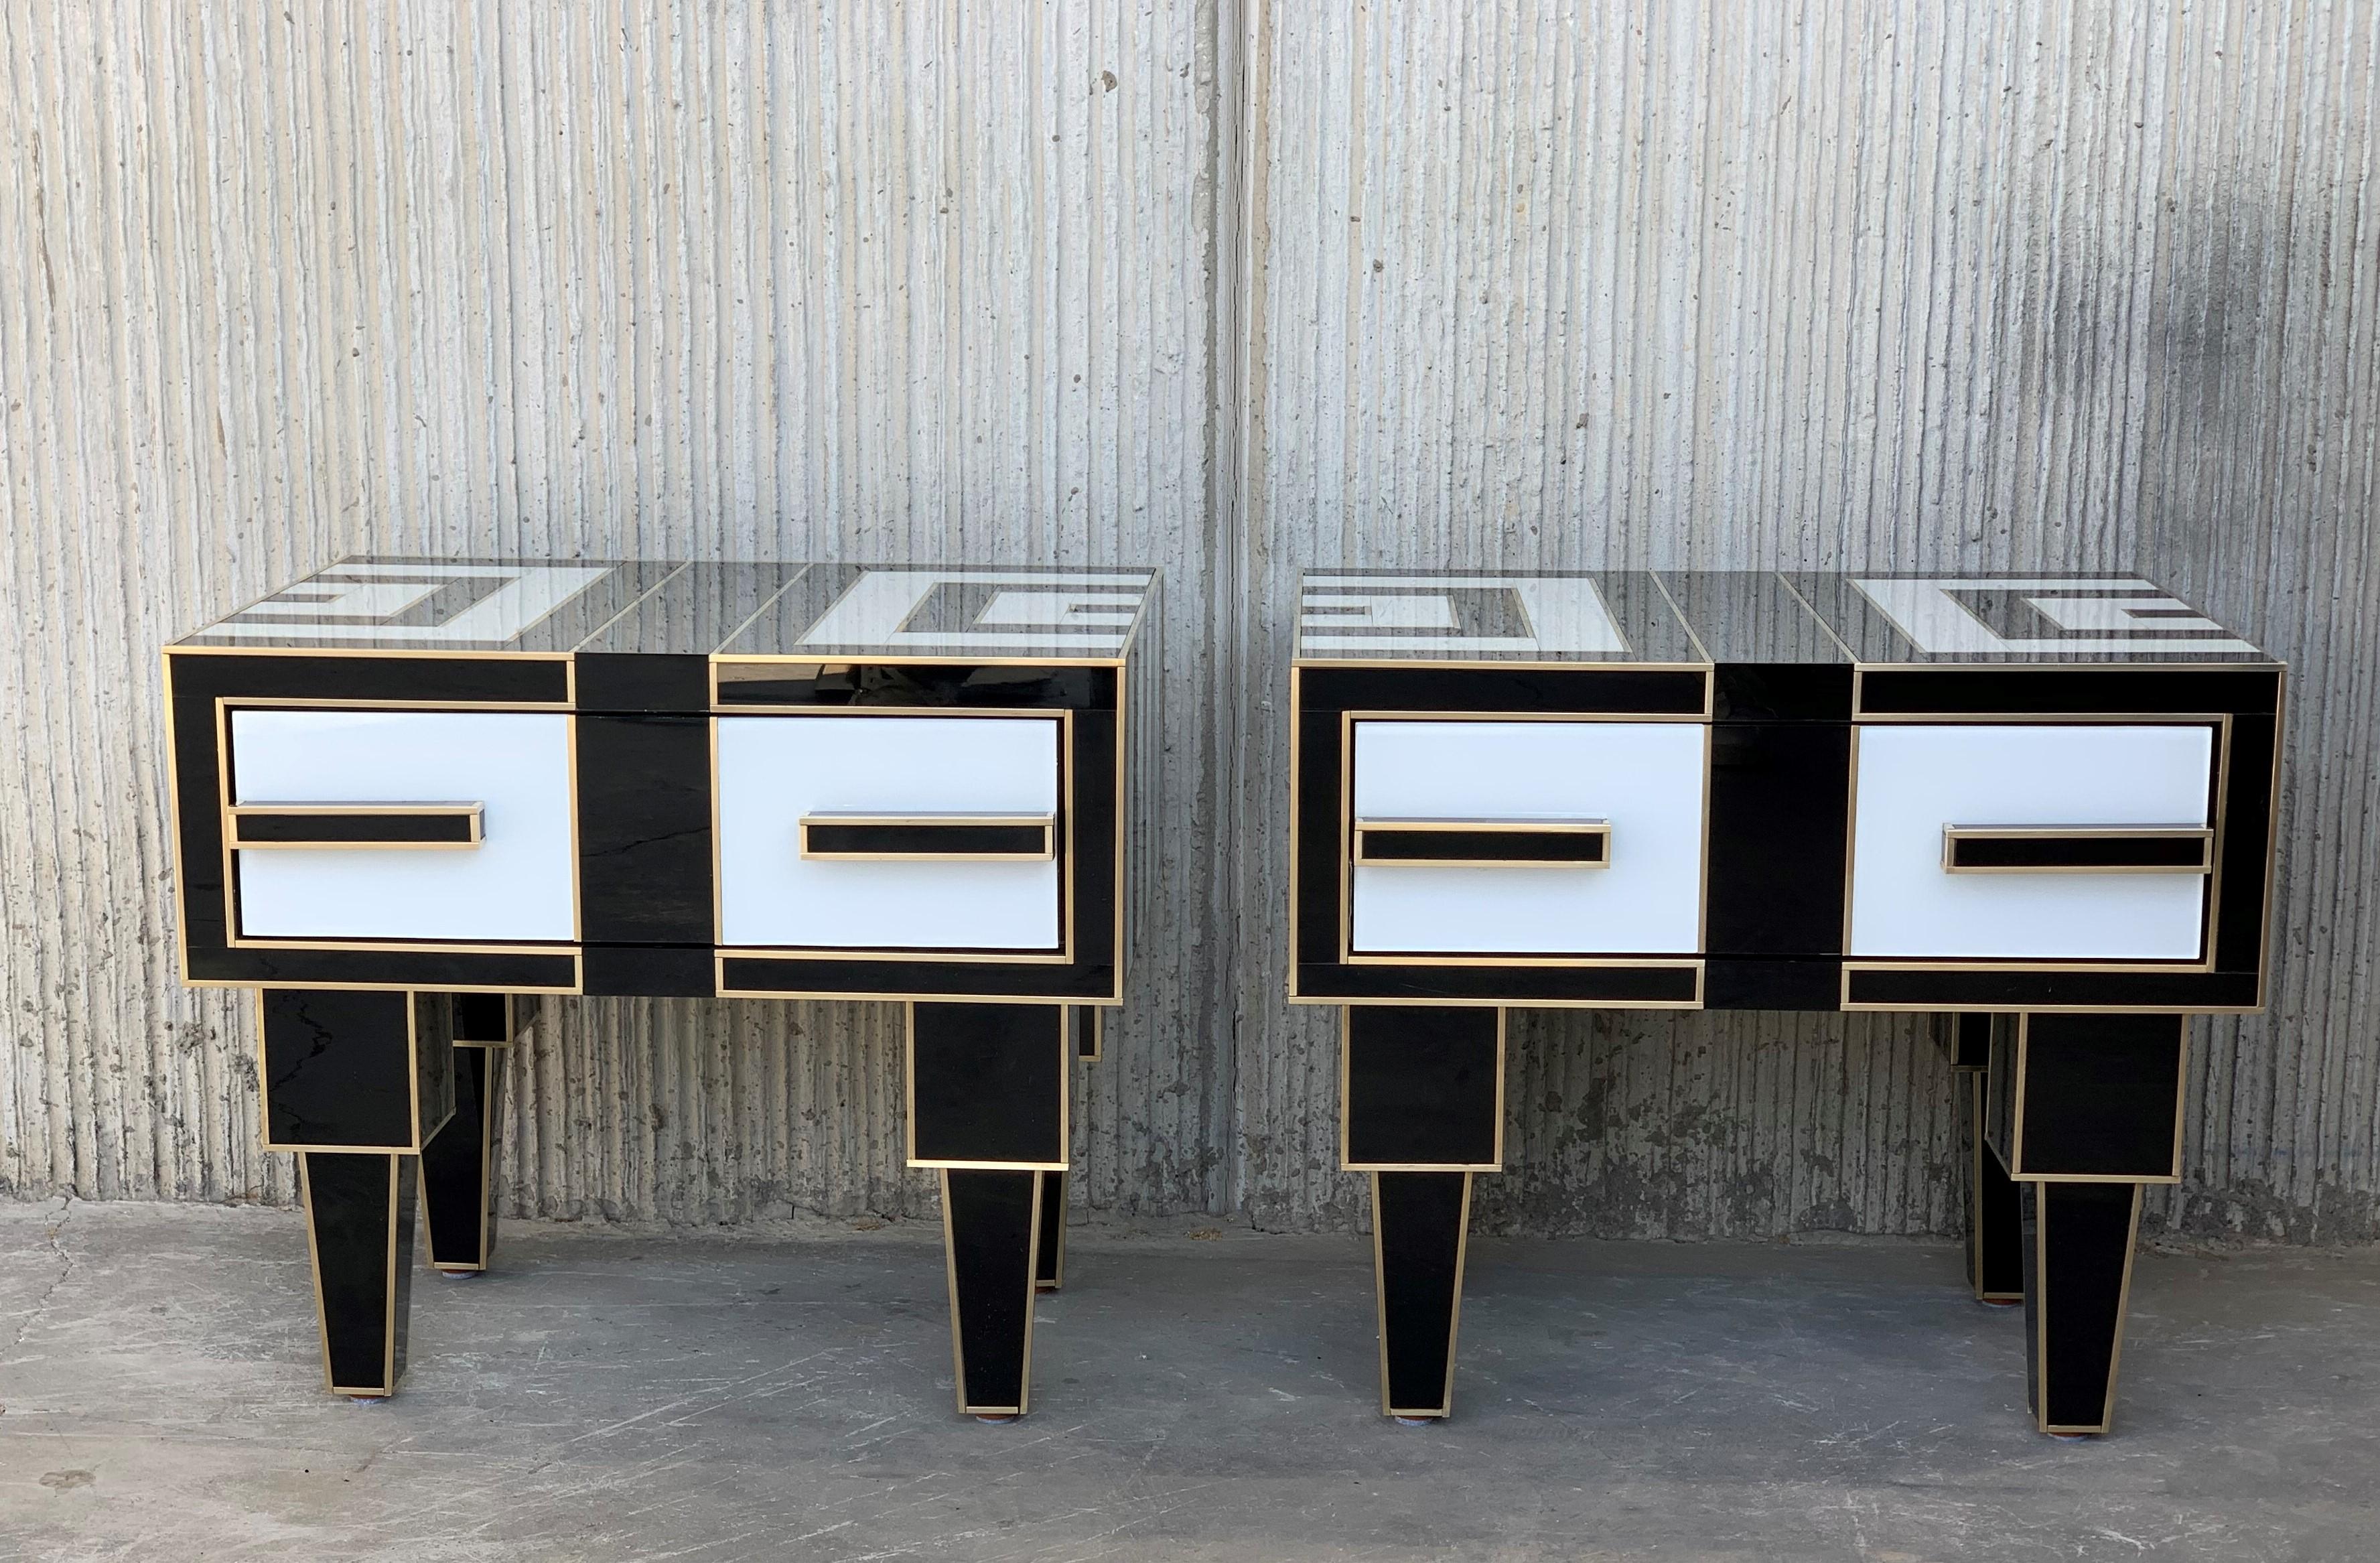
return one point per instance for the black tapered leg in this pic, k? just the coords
(359, 1219)
(1421, 1109)
(988, 1221)
(2078, 1270)
(458, 1165)
(1994, 1216)
(1419, 1220)
(1049, 1248)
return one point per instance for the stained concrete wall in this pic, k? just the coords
(1226, 286)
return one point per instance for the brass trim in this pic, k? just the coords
(472, 814)
(1057, 1281)
(1952, 835)
(1601, 829)
(1445, 1406)
(1346, 1043)
(1048, 824)
(909, 1096)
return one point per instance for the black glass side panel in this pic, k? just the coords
(1743, 982)
(648, 971)
(423, 969)
(2068, 690)
(2101, 1095)
(1779, 833)
(986, 1082)
(1418, 1220)
(1616, 985)
(2241, 909)
(625, 681)
(1618, 691)
(644, 829)
(901, 978)
(425, 680)
(1989, 988)
(1425, 1086)
(924, 685)
(1781, 692)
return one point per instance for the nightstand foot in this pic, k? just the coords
(359, 1223)
(1049, 1248)
(458, 1165)
(988, 1221)
(1419, 1220)
(2078, 1272)
(1995, 1220)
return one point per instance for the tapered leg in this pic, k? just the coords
(359, 1223)
(458, 1165)
(989, 1222)
(1421, 1109)
(1995, 1220)
(2078, 1272)
(1049, 1248)
(1419, 1220)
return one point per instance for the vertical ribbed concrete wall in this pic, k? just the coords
(1232, 288)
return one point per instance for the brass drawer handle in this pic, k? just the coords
(1483, 843)
(349, 826)
(928, 838)
(2077, 849)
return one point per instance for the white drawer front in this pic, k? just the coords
(773, 770)
(1914, 780)
(517, 883)
(1646, 778)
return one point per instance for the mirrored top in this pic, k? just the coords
(1753, 616)
(956, 613)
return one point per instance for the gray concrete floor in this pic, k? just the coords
(787, 1394)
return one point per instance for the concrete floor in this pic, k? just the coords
(1199, 1395)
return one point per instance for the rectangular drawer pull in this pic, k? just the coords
(2078, 849)
(416, 826)
(929, 837)
(1483, 843)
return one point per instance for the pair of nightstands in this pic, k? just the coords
(410, 793)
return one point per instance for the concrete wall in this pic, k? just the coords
(1225, 287)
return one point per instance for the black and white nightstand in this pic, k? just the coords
(2043, 806)
(412, 795)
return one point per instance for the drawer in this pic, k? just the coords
(1554, 838)
(864, 832)
(2074, 841)
(402, 825)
